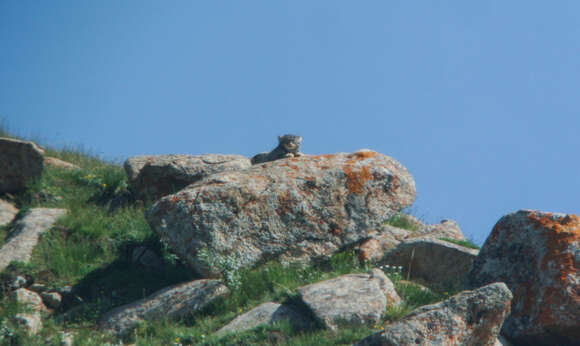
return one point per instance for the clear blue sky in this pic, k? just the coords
(480, 100)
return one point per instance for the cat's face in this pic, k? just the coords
(291, 143)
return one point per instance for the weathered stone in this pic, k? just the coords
(537, 255)
(7, 213)
(267, 313)
(58, 163)
(350, 300)
(143, 256)
(446, 229)
(169, 303)
(468, 318)
(29, 298)
(388, 237)
(295, 209)
(154, 176)
(31, 323)
(433, 260)
(20, 162)
(379, 243)
(52, 299)
(25, 233)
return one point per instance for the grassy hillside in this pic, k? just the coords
(91, 248)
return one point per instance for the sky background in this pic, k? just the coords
(479, 100)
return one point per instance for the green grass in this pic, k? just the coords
(464, 243)
(90, 248)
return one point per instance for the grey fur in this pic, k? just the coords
(288, 146)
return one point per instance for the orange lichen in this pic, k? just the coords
(560, 234)
(356, 178)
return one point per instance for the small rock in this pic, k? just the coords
(31, 323)
(169, 303)
(25, 234)
(352, 299)
(18, 282)
(446, 229)
(266, 313)
(468, 318)
(20, 162)
(435, 261)
(66, 338)
(54, 162)
(52, 299)
(7, 213)
(28, 298)
(37, 287)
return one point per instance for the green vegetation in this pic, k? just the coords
(91, 249)
(464, 243)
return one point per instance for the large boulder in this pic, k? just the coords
(169, 303)
(154, 176)
(20, 162)
(350, 300)
(435, 261)
(468, 318)
(25, 233)
(537, 255)
(296, 209)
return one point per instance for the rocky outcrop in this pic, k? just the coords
(468, 318)
(20, 162)
(58, 163)
(295, 209)
(154, 176)
(432, 260)
(25, 234)
(537, 255)
(266, 313)
(350, 300)
(169, 303)
(7, 213)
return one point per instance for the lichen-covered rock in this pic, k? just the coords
(537, 255)
(295, 209)
(433, 260)
(350, 300)
(468, 318)
(20, 162)
(154, 176)
(7, 213)
(266, 313)
(25, 233)
(169, 303)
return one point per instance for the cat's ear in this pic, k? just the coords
(299, 139)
